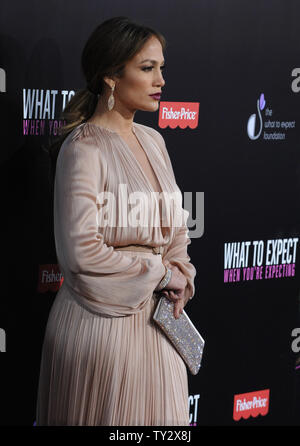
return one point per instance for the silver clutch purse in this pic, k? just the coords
(181, 332)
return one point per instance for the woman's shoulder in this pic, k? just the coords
(86, 136)
(95, 137)
(91, 133)
(83, 143)
(87, 132)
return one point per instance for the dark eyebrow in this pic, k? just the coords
(151, 60)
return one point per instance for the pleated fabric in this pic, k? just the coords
(104, 360)
(102, 371)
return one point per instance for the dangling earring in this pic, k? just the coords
(111, 99)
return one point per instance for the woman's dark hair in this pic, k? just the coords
(110, 46)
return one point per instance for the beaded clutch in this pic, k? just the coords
(181, 332)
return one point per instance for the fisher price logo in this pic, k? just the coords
(50, 278)
(178, 114)
(251, 404)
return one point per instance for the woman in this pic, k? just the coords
(104, 360)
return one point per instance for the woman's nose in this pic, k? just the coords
(159, 81)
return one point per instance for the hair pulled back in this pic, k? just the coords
(110, 46)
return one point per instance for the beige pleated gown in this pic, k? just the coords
(104, 361)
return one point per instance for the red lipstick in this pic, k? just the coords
(156, 96)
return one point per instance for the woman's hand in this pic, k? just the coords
(174, 291)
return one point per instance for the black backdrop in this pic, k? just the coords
(223, 57)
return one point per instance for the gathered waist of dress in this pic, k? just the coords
(144, 248)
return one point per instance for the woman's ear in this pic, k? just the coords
(109, 81)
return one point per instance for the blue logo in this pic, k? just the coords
(251, 126)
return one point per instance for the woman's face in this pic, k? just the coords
(142, 78)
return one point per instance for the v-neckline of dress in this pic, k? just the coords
(135, 160)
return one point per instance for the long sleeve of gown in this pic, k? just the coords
(176, 253)
(106, 281)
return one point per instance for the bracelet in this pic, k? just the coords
(165, 280)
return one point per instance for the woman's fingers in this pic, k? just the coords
(178, 308)
(174, 297)
(178, 302)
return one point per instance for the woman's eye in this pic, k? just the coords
(150, 68)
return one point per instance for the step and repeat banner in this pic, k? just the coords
(230, 118)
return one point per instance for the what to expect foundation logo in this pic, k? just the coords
(253, 129)
(263, 123)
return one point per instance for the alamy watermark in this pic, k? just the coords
(142, 209)
(2, 341)
(296, 342)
